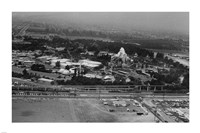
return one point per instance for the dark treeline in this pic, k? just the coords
(163, 44)
(79, 80)
(36, 44)
(40, 68)
(114, 47)
(25, 75)
(91, 45)
(147, 42)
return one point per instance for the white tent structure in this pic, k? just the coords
(89, 63)
(62, 61)
(66, 72)
(109, 78)
(65, 62)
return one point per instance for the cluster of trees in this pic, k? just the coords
(114, 47)
(25, 75)
(172, 78)
(177, 65)
(156, 82)
(104, 59)
(91, 45)
(80, 80)
(36, 44)
(27, 47)
(169, 78)
(164, 44)
(175, 88)
(40, 68)
(160, 56)
(17, 75)
(186, 81)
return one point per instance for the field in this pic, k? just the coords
(69, 110)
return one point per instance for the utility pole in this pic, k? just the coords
(164, 95)
(75, 92)
(99, 92)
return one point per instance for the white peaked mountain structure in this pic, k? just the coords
(121, 55)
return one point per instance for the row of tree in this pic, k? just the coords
(40, 68)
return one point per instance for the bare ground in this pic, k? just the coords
(69, 110)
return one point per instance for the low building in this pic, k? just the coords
(89, 75)
(109, 78)
(119, 103)
(102, 53)
(89, 63)
(46, 81)
(66, 72)
(91, 53)
(62, 61)
(46, 58)
(28, 62)
(60, 48)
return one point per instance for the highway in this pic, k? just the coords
(94, 95)
(101, 95)
(23, 30)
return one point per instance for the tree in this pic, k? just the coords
(75, 73)
(160, 55)
(52, 83)
(67, 67)
(58, 64)
(142, 66)
(38, 67)
(25, 73)
(20, 63)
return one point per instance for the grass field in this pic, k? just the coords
(69, 110)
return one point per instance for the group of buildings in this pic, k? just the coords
(120, 65)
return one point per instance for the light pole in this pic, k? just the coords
(99, 93)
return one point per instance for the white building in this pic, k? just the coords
(66, 72)
(45, 81)
(89, 63)
(89, 75)
(109, 78)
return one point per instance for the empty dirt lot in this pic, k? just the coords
(69, 110)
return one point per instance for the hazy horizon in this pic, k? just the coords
(177, 22)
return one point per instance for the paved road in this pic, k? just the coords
(96, 95)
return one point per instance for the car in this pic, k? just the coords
(134, 110)
(140, 113)
(105, 103)
(111, 110)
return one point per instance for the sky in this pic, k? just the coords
(177, 22)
